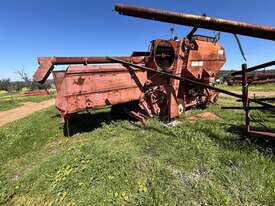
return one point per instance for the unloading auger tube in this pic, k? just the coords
(235, 27)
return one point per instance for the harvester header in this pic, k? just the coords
(218, 24)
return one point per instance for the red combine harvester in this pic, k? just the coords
(171, 77)
(139, 93)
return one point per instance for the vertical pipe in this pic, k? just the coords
(245, 97)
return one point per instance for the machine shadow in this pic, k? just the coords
(239, 142)
(138, 127)
(87, 122)
(264, 144)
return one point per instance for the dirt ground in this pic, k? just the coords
(204, 116)
(23, 111)
(251, 94)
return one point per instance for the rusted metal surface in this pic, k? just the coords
(262, 134)
(258, 77)
(104, 81)
(235, 27)
(37, 93)
(47, 64)
(204, 63)
(91, 87)
(246, 104)
(245, 97)
(195, 59)
(257, 67)
(193, 82)
(169, 78)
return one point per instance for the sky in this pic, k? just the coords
(32, 28)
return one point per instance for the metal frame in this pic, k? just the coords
(246, 101)
(244, 96)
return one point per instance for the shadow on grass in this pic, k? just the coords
(241, 141)
(149, 128)
(87, 122)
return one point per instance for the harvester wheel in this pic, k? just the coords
(181, 106)
(181, 109)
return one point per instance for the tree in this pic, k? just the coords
(5, 84)
(23, 75)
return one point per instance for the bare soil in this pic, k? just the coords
(251, 94)
(23, 111)
(204, 116)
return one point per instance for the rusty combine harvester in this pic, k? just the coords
(140, 93)
(171, 77)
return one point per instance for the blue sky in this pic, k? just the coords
(31, 28)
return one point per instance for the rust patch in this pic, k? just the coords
(79, 81)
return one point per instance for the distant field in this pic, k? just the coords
(253, 88)
(13, 100)
(116, 162)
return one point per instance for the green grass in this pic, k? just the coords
(10, 101)
(110, 162)
(6, 105)
(252, 87)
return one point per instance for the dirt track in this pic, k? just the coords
(23, 111)
(257, 94)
